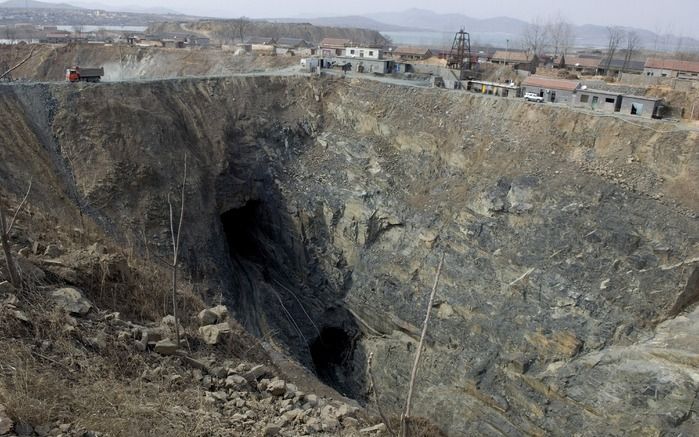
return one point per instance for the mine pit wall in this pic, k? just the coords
(568, 238)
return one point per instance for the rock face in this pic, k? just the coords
(321, 209)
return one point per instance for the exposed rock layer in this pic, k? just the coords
(319, 209)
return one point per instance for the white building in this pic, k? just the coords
(363, 52)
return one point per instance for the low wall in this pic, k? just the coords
(675, 84)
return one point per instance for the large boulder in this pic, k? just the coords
(72, 300)
(165, 347)
(214, 334)
(212, 316)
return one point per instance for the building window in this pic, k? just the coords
(351, 52)
(609, 100)
(371, 53)
(584, 98)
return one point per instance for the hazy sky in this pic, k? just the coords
(678, 16)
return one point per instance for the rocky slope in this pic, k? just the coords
(318, 210)
(49, 62)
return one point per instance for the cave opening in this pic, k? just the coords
(276, 292)
(333, 358)
(242, 227)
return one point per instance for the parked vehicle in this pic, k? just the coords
(78, 74)
(532, 97)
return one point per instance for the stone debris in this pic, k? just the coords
(277, 387)
(71, 300)
(378, 428)
(165, 347)
(53, 251)
(211, 316)
(214, 334)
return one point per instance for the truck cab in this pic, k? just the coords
(72, 74)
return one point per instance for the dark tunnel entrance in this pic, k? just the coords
(277, 290)
(333, 359)
(242, 228)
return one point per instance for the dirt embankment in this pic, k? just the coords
(227, 31)
(49, 62)
(318, 209)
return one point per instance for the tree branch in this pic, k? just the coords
(19, 208)
(413, 375)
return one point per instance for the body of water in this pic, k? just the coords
(445, 39)
(112, 28)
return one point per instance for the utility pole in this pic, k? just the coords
(507, 56)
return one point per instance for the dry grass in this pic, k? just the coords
(49, 375)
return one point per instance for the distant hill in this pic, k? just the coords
(127, 8)
(355, 21)
(225, 31)
(428, 20)
(496, 30)
(33, 4)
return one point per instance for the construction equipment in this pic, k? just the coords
(460, 55)
(84, 74)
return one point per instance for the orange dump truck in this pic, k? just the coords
(83, 74)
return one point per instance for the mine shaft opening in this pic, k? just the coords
(243, 230)
(270, 296)
(333, 356)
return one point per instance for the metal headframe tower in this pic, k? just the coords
(460, 55)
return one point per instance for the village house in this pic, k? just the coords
(259, 45)
(509, 57)
(580, 64)
(641, 106)
(598, 100)
(199, 41)
(171, 43)
(293, 47)
(498, 89)
(60, 37)
(334, 46)
(412, 53)
(673, 68)
(552, 90)
(617, 65)
(364, 52)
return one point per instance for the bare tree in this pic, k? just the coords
(561, 34)
(176, 249)
(5, 229)
(372, 389)
(633, 41)
(413, 375)
(616, 36)
(535, 38)
(241, 26)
